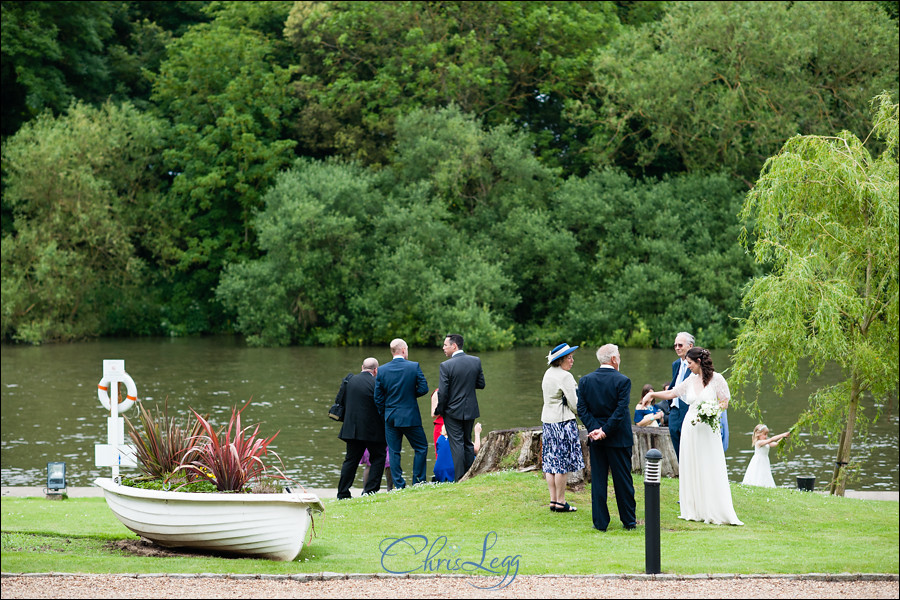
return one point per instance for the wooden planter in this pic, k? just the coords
(272, 526)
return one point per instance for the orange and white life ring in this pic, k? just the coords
(103, 392)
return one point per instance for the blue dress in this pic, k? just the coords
(443, 466)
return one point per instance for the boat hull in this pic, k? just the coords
(272, 526)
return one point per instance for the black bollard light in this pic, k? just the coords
(651, 510)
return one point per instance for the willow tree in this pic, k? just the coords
(824, 218)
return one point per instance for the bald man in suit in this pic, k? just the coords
(397, 385)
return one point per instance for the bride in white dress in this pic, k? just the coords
(703, 477)
(759, 471)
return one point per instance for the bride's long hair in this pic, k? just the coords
(701, 357)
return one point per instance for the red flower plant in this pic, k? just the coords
(232, 457)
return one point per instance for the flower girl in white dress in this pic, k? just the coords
(759, 471)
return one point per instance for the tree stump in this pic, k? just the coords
(520, 449)
(653, 437)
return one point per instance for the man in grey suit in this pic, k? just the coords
(460, 376)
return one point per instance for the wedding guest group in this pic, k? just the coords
(561, 449)
(381, 408)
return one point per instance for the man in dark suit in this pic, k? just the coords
(363, 429)
(397, 386)
(460, 376)
(603, 398)
(678, 407)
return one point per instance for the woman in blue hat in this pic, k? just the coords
(561, 448)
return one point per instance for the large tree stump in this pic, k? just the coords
(653, 437)
(520, 449)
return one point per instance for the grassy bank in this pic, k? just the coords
(786, 531)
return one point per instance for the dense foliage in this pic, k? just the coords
(719, 86)
(350, 172)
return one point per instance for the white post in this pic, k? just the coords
(115, 452)
(113, 369)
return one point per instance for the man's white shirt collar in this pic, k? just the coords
(455, 353)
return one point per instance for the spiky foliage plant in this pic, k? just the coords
(162, 442)
(231, 457)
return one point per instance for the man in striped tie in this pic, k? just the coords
(678, 407)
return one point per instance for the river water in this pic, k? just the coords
(50, 410)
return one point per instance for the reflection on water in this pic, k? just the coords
(50, 409)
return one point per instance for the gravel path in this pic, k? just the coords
(366, 586)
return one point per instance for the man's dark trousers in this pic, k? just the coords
(355, 451)
(617, 461)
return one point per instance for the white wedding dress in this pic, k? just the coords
(759, 471)
(703, 487)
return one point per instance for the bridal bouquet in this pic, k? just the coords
(708, 412)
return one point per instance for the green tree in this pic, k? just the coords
(430, 279)
(82, 189)
(655, 258)
(53, 52)
(228, 102)
(824, 218)
(315, 232)
(720, 85)
(496, 195)
(143, 30)
(363, 64)
(345, 263)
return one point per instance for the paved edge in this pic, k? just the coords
(327, 576)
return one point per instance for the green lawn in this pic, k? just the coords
(492, 518)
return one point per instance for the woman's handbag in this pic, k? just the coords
(336, 411)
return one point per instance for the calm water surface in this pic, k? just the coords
(50, 409)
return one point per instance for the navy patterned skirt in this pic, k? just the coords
(561, 450)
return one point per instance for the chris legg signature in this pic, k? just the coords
(413, 553)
